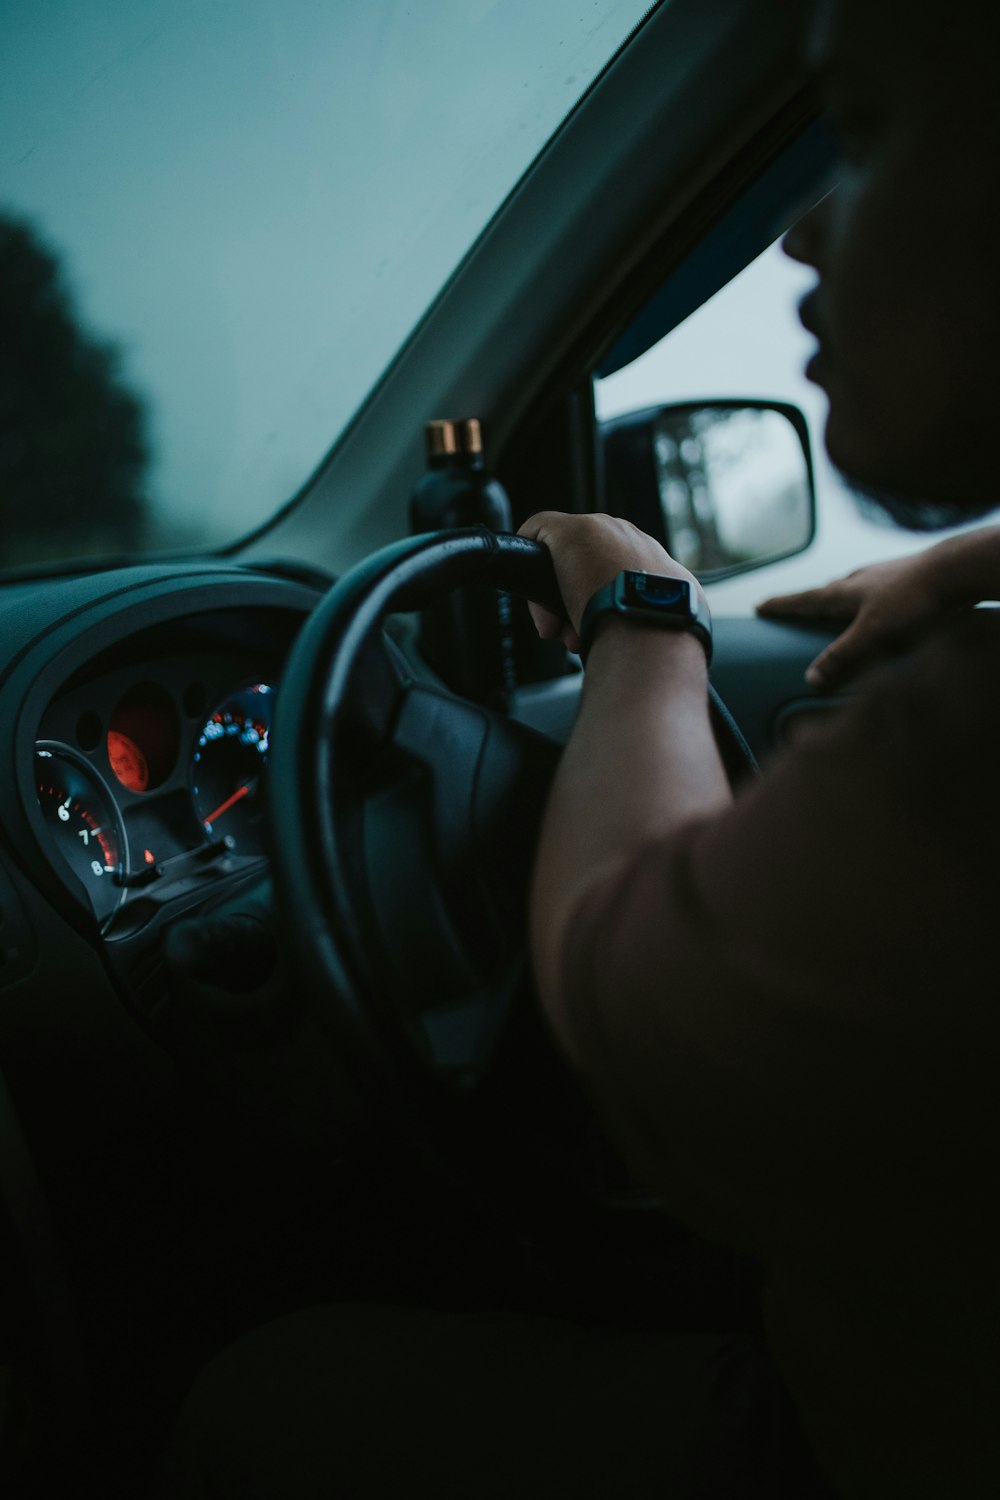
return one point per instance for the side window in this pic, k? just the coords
(747, 342)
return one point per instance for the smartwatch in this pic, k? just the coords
(649, 599)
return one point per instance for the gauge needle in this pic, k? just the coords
(241, 791)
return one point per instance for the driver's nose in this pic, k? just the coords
(806, 240)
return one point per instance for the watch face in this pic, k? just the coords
(647, 590)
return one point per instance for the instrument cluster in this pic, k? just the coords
(140, 776)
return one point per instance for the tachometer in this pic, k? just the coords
(84, 822)
(230, 766)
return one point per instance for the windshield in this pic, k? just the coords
(219, 219)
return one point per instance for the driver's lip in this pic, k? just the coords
(812, 322)
(814, 368)
(809, 314)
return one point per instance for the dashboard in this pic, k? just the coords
(138, 771)
(136, 720)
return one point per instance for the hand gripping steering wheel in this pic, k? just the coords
(404, 819)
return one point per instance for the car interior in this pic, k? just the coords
(266, 1031)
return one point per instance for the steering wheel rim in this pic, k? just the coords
(310, 790)
(328, 742)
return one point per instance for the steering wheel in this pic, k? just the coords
(404, 821)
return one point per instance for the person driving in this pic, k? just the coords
(783, 1003)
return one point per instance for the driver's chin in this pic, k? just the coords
(912, 512)
(896, 491)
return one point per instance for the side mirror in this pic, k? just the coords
(726, 486)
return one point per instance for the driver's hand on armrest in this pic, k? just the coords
(887, 604)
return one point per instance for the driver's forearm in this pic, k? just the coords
(641, 761)
(966, 568)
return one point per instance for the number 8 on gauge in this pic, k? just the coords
(83, 819)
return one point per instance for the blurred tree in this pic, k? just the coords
(73, 445)
(685, 485)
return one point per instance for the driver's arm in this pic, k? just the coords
(737, 980)
(642, 758)
(785, 1007)
(641, 762)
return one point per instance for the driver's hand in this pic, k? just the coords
(588, 551)
(882, 604)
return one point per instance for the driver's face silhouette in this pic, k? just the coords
(907, 247)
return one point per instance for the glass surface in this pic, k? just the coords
(218, 223)
(733, 485)
(645, 588)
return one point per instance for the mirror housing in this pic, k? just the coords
(726, 486)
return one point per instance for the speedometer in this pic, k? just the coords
(84, 823)
(230, 766)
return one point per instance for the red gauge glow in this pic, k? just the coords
(127, 761)
(83, 823)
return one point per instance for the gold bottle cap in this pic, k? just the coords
(470, 435)
(441, 437)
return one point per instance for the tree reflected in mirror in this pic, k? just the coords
(726, 485)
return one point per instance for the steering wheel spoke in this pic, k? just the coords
(448, 845)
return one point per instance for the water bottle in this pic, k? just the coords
(466, 636)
